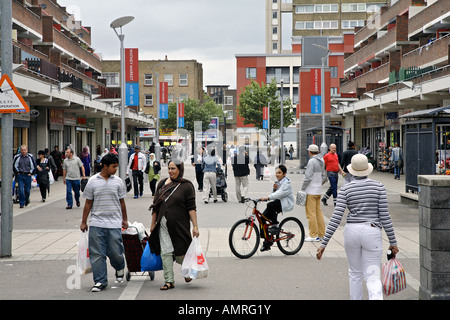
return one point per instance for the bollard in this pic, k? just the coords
(434, 237)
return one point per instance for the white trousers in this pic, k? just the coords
(363, 247)
(209, 181)
(241, 193)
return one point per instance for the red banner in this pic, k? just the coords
(131, 65)
(265, 113)
(163, 92)
(181, 110)
(315, 82)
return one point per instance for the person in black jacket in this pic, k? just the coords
(42, 176)
(197, 162)
(347, 160)
(241, 171)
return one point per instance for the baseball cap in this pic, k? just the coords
(313, 148)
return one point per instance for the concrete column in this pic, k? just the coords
(434, 237)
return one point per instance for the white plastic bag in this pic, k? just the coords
(266, 173)
(194, 265)
(83, 261)
(34, 183)
(51, 179)
(301, 198)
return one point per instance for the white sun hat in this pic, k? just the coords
(360, 166)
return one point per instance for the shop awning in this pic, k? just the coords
(429, 113)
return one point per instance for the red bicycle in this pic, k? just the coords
(245, 235)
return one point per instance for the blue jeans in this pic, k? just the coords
(24, 181)
(104, 242)
(75, 185)
(396, 169)
(333, 178)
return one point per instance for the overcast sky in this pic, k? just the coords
(209, 31)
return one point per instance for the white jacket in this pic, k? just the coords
(142, 162)
(285, 194)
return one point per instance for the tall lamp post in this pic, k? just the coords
(123, 150)
(323, 146)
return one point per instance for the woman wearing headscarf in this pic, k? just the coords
(153, 172)
(85, 157)
(173, 209)
(368, 213)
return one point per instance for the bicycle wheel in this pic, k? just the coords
(244, 238)
(291, 237)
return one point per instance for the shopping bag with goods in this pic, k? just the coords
(150, 261)
(83, 262)
(194, 265)
(394, 279)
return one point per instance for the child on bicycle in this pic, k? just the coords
(282, 200)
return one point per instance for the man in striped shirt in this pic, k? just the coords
(368, 213)
(105, 201)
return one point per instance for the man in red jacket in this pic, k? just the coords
(333, 169)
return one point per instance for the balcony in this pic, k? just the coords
(434, 53)
(375, 75)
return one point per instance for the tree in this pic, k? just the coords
(255, 97)
(194, 110)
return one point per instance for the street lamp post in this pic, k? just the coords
(123, 150)
(323, 146)
(281, 125)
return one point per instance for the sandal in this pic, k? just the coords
(188, 279)
(167, 286)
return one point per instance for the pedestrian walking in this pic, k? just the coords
(153, 172)
(42, 174)
(197, 162)
(315, 177)
(57, 157)
(105, 205)
(51, 163)
(24, 167)
(281, 200)
(210, 163)
(346, 160)
(241, 170)
(397, 159)
(173, 209)
(71, 177)
(291, 152)
(333, 168)
(136, 165)
(260, 163)
(85, 157)
(368, 213)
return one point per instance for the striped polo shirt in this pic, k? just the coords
(366, 202)
(106, 211)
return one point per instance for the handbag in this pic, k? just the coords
(394, 278)
(128, 184)
(301, 198)
(83, 184)
(194, 265)
(150, 261)
(83, 261)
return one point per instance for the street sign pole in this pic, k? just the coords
(7, 134)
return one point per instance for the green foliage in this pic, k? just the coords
(194, 110)
(255, 97)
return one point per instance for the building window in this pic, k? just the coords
(148, 102)
(304, 9)
(333, 72)
(333, 91)
(250, 73)
(183, 79)
(170, 98)
(228, 100)
(350, 24)
(353, 7)
(168, 77)
(183, 96)
(112, 79)
(148, 79)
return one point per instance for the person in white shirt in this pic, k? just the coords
(315, 177)
(136, 164)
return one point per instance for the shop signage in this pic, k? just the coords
(10, 99)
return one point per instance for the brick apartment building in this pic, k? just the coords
(58, 73)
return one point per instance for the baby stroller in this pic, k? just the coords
(15, 191)
(221, 185)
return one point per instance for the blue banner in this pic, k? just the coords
(132, 93)
(163, 111)
(316, 104)
(265, 124)
(181, 122)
